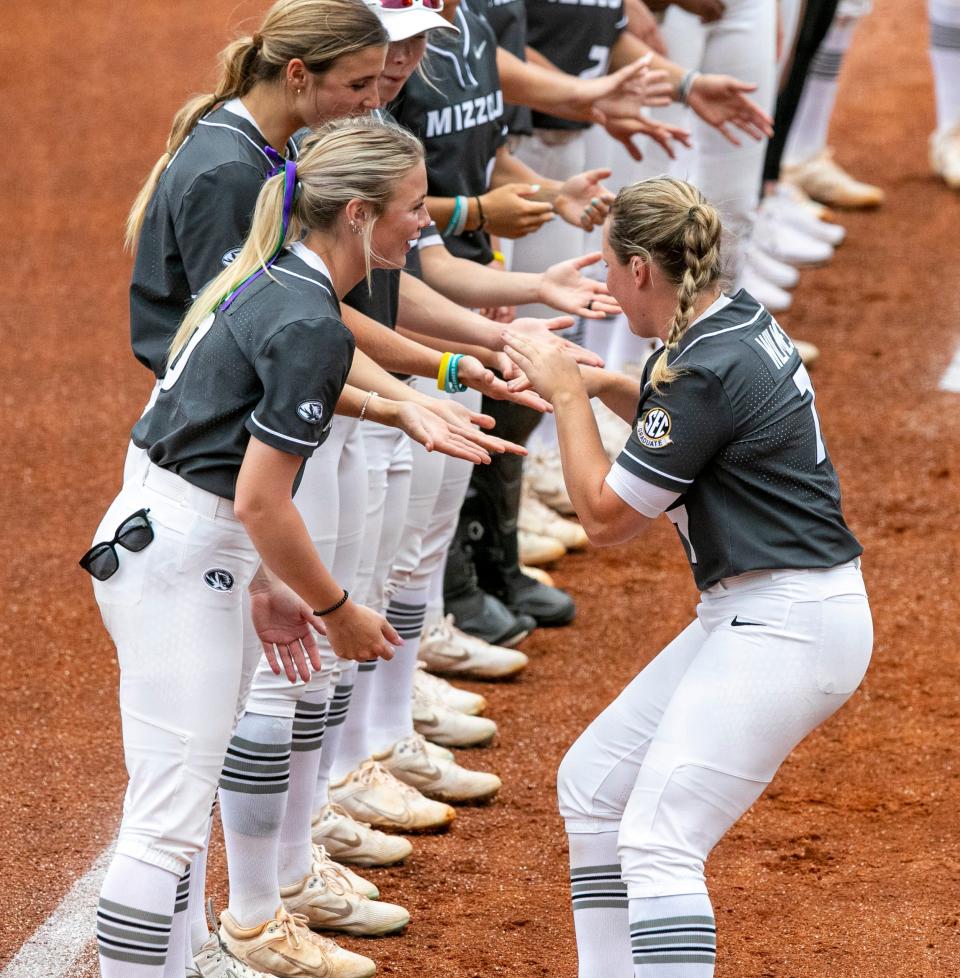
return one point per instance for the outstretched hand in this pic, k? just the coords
(549, 369)
(721, 101)
(283, 620)
(564, 288)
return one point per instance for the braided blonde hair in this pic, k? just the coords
(318, 32)
(669, 222)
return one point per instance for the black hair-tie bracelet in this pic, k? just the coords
(333, 607)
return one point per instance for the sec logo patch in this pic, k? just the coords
(653, 428)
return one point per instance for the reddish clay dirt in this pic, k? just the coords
(849, 865)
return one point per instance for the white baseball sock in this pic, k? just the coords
(391, 717)
(253, 796)
(599, 898)
(945, 59)
(134, 919)
(808, 133)
(673, 936)
(354, 746)
(296, 847)
(337, 712)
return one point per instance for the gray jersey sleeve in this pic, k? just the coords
(678, 431)
(214, 218)
(302, 368)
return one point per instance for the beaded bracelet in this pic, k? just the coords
(333, 607)
(366, 403)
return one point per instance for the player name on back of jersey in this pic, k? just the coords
(465, 115)
(776, 344)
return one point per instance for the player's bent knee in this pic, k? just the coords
(173, 781)
(587, 794)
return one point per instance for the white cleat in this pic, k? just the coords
(823, 179)
(543, 474)
(351, 841)
(328, 903)
(945, 155)
(772, 298)
(537, 548)
(435, 775)
(809, 353)
(447, 650)
(214, 960)
(286, 947)
(782, 207)
(787, 243)
(473, 704)
(537, 518)
(779, 273)
(444, 725)
(322, 863)
(372, 794)
(614, 432)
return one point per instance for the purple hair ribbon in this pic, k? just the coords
(289, 169)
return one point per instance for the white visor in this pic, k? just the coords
(401, 24)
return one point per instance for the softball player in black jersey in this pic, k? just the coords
(210, 501)
(727, 442)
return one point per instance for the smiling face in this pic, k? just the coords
(402, 60)
(402, 220)
(349, 87)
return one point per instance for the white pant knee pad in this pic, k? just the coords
(592, 795)
(679, 809)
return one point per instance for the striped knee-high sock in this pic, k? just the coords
(811, 125)
(178, 950)
(253, 796)
(945, 60)
(337, 710)
(134, 919)
(296, 855)
(673, 937)
(599, 899)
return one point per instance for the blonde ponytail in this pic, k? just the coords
(669, 222)
(318, 32)
(353, 159)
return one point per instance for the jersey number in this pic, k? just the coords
(802, 379)
(600, 55)
(176, 368)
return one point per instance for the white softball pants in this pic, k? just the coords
(185, 653)
(332, 499)
(692, 742)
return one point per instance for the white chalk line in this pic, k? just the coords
(56, 944)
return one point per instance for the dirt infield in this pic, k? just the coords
(848, 866)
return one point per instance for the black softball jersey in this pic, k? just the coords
(508, 18)
(271, 365)
(577, 36)
(734, 448)
(195, 224)
(457, 111)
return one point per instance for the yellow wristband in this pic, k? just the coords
(442, 372)
(499, 256)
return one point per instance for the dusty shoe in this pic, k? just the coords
(537, 549)
(323, 863)
(444, 725)
(214, 960)
(447, 650)
(823, 179)
(285, 947)
(538, 518)
(809, 353)
(614, 432)
(437, 777)
(538, 574)
(351, 841)
(473, 704)
(328, 903)
(543, 475)
(373, 794)
(945, 155)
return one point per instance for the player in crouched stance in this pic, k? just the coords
(727, 443)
